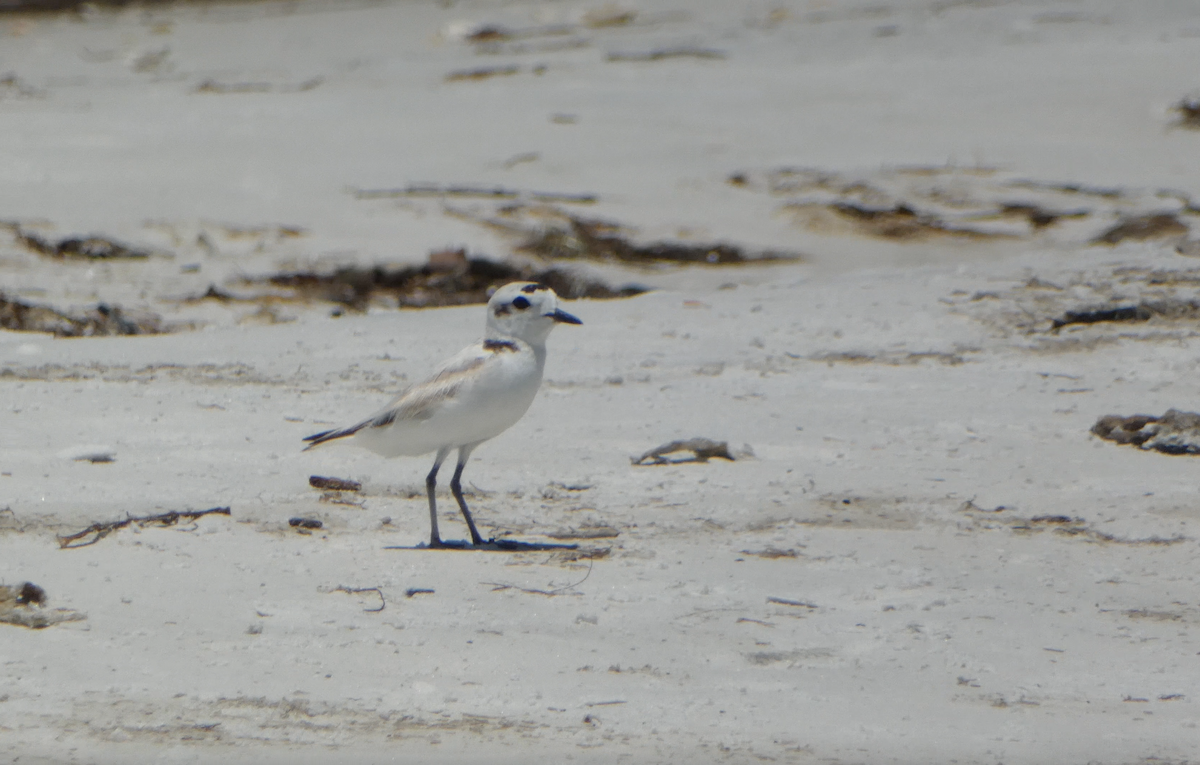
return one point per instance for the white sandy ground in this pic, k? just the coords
(881, 386)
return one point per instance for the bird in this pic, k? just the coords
(473, 396)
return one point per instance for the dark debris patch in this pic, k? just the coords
(1039, 217)
(662, 54)
(482, 73)
(1188, 110)
(1144, 311)
(23, 605)
(900, 222)
(449, 279)
(333, 484)
(82, 248)
(434, 191)
(583, 239)
(103, 320)
(1142, 228)
(1175, 432)
(1093, 316)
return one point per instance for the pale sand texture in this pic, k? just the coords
(916, 426)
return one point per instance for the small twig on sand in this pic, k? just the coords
(355, 590)
(498, 586)
(101, 530)
(786, 602)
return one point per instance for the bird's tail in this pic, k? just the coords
(316, 439)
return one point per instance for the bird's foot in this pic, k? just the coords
(453, 544)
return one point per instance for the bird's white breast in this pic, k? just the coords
(476, 404)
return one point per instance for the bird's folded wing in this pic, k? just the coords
(421, 401)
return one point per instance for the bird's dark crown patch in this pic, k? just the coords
(496, 346)
(529, 289)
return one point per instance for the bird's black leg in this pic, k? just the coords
(456, 487)
(435, 539)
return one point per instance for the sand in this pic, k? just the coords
(919, 553)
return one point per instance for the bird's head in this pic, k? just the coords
(526, 311)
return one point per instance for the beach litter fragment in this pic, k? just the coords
(24, 605)
(701, 448)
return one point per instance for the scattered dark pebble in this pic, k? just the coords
(305, 523)
(333, 484)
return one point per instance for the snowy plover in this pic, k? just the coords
(474, 396)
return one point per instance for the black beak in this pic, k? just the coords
(563, 317)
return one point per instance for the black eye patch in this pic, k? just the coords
(520, 302)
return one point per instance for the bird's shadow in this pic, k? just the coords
(492, 545)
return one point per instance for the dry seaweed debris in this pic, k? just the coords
(662, 54)
(1062, 525)
(1143, 227)
(97, 531)
(87, 247)
(1144, 311)
(104, 319)
(1175, 432)
(582, 239)
(450, 278)
(1094, 315)
(24, 605)
(481, 73)
(358, 590)
(426, 191)
(702, 450)
(897, 222)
